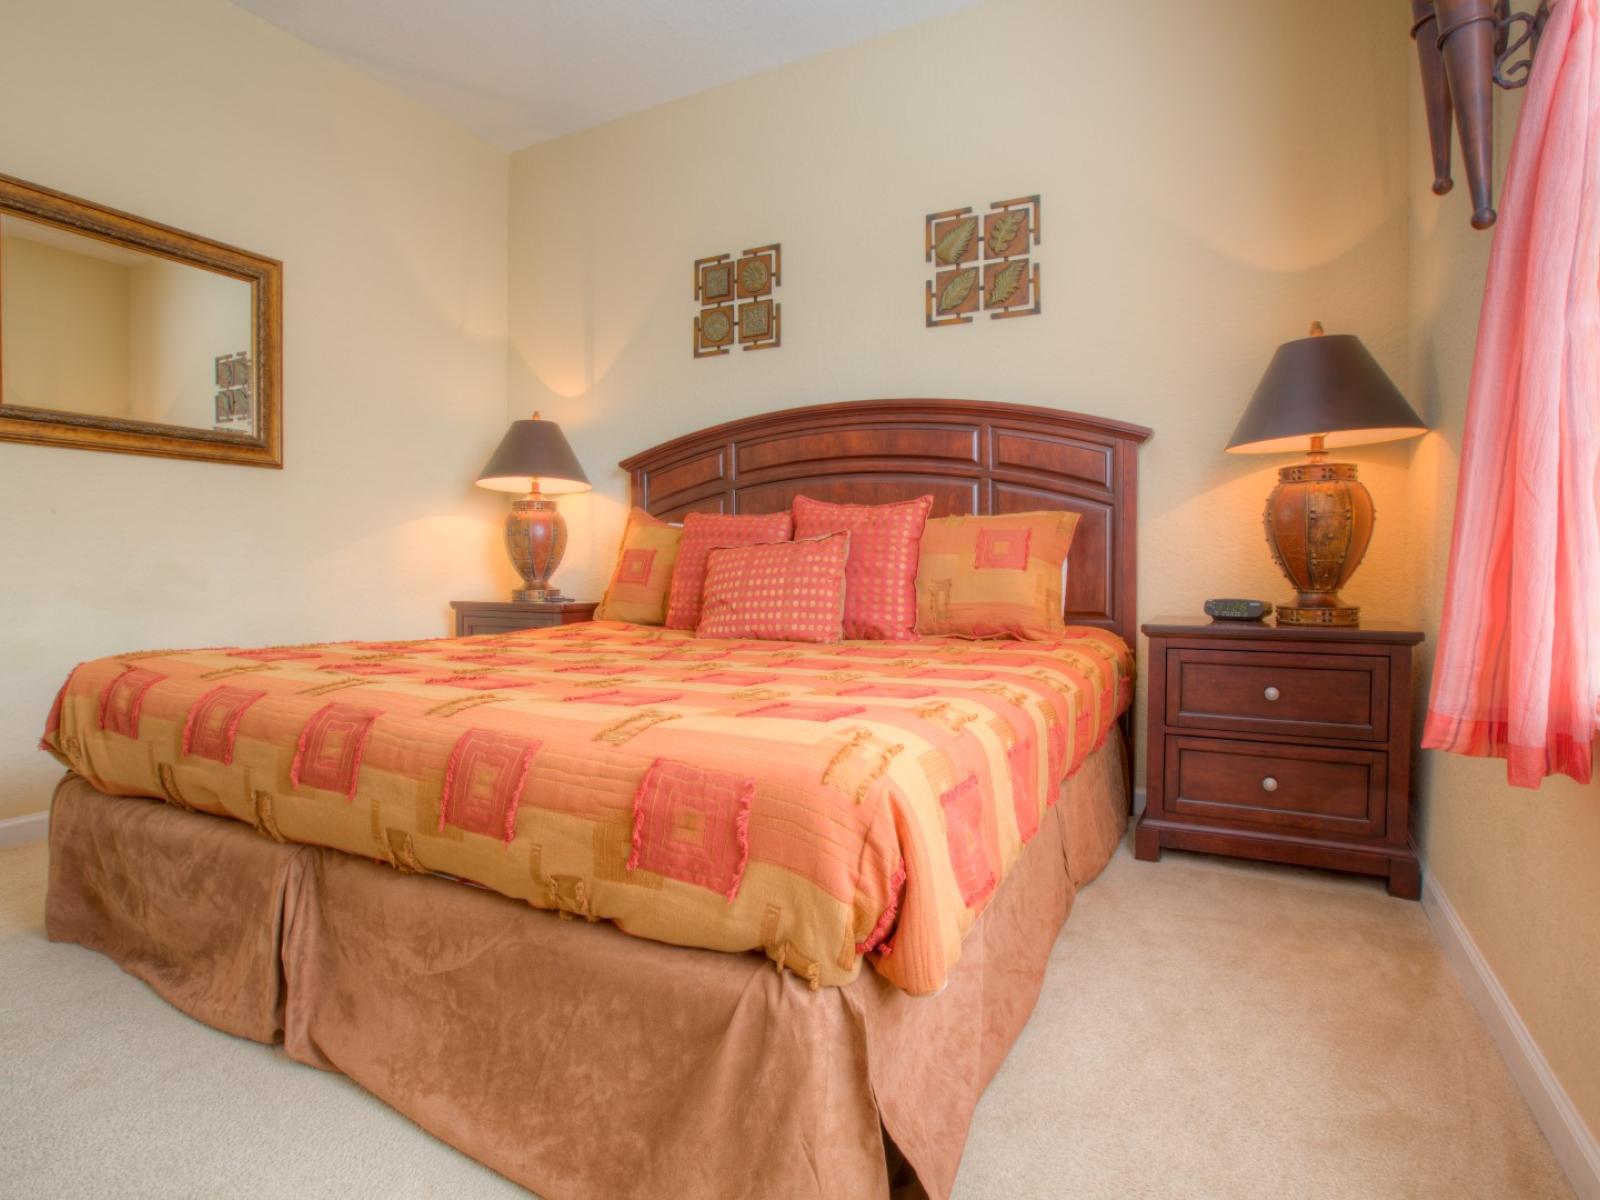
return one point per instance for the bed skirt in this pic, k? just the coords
(574, 1059)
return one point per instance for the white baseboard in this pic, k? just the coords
(25, 830)
(1575, 1145)
(1138, 800)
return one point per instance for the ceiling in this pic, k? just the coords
(524, 71)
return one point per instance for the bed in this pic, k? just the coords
(570, 1056)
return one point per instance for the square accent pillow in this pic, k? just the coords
(999, 576)
(703, 533)
(880, 599)
(777, 591)
(639, 585)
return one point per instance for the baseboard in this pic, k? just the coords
(1138, 800)
(1575, 1145)
(24, 830)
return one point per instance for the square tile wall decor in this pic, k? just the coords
(737, 303)
(982, 262)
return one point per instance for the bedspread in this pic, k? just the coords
(819, 803)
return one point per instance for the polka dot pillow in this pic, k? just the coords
(881, 579)
(702, 533)
(777, 591)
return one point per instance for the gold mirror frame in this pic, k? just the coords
(87, 431)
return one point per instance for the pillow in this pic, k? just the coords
(995, 576)
(778, 591)
(702, 533)
(880, 599)
(638, 588)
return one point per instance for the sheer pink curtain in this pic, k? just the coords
(1518, 668)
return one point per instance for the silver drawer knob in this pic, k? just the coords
(1269, 784)
(1272, 693)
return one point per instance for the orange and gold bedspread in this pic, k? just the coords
(820, 803)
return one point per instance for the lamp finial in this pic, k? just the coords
(1316, 330)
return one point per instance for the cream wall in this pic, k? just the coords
(1521, 868)
(181, 320)
(121, 334)
(391, 224)
(1213, 178)
(63, 328)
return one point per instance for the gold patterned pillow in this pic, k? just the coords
(639, 586)
(999, 576)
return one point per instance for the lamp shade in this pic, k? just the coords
(1329, 385)
(534, 455)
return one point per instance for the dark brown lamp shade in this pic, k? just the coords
(534, 455)
(1329, 385)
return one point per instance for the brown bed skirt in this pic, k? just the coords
(570, 1057)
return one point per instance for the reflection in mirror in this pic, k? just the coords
(89, 326)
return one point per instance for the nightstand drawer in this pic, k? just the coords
(1292, 695)
(1265, 785)
(477, 617)
(475, 624)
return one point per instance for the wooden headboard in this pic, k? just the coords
(973, 456)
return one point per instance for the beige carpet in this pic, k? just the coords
(1208, 1030)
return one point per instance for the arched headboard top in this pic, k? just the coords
(972, 456)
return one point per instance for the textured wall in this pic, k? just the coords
(1521, 868)
(391, 224)
(1214, 177)
(65, 318)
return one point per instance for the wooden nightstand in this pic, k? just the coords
(504, 616)
(1286, 744)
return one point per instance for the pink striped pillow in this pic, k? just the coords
(885, 546)
(703, 533)
(777, 591)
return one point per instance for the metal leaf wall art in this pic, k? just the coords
(982, 263)
(955, 293)
(1003, 284)
(953, 245)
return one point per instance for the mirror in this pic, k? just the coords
(120, 334)
(92, 327)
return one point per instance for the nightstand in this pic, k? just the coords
(504, 616)
(1286, 744)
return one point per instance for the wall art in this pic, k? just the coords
(233, 399)
(737, 301)
(982, 262)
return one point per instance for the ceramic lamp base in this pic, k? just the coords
(536, 538)
(1318, 524)
(539, 596)
(1293, 614)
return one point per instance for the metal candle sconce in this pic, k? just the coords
(1465, 48)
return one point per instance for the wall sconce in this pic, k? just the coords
(1465, 48)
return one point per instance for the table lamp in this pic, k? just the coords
(534, 457)
(1330, 389)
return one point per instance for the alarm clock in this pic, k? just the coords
(1237, 610)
